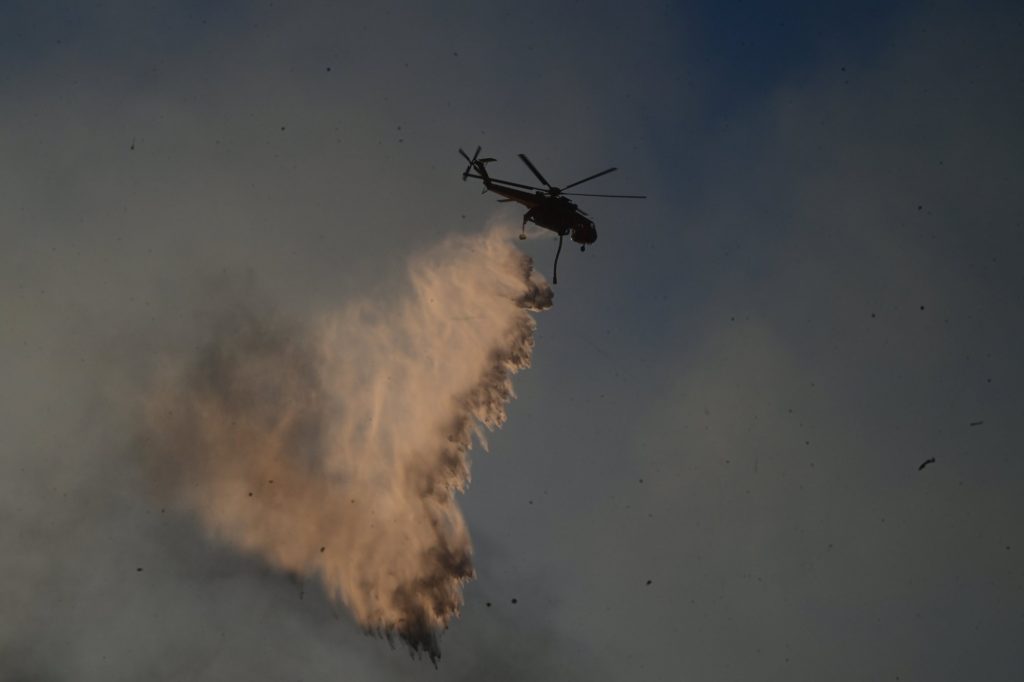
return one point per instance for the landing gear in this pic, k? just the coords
(583, 248)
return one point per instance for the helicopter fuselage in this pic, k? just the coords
(555, 213)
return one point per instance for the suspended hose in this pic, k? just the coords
(554, 280)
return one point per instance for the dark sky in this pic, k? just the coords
(711, 470)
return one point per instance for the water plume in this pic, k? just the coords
(334, 448)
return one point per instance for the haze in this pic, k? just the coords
(711, 468)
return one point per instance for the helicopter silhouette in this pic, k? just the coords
(548, 207)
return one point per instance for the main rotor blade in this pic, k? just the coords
(609, 196)
(535, 171)
(465, 155)
(516, 184)
(587, 179)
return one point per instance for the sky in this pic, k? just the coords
(710, 470)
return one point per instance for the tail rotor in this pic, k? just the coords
(476, 167)
(471, 163)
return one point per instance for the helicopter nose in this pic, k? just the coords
(584, 233)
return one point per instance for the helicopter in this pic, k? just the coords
(548, 206)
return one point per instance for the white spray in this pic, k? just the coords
(335, 449)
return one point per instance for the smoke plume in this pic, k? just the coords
(334, 448)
